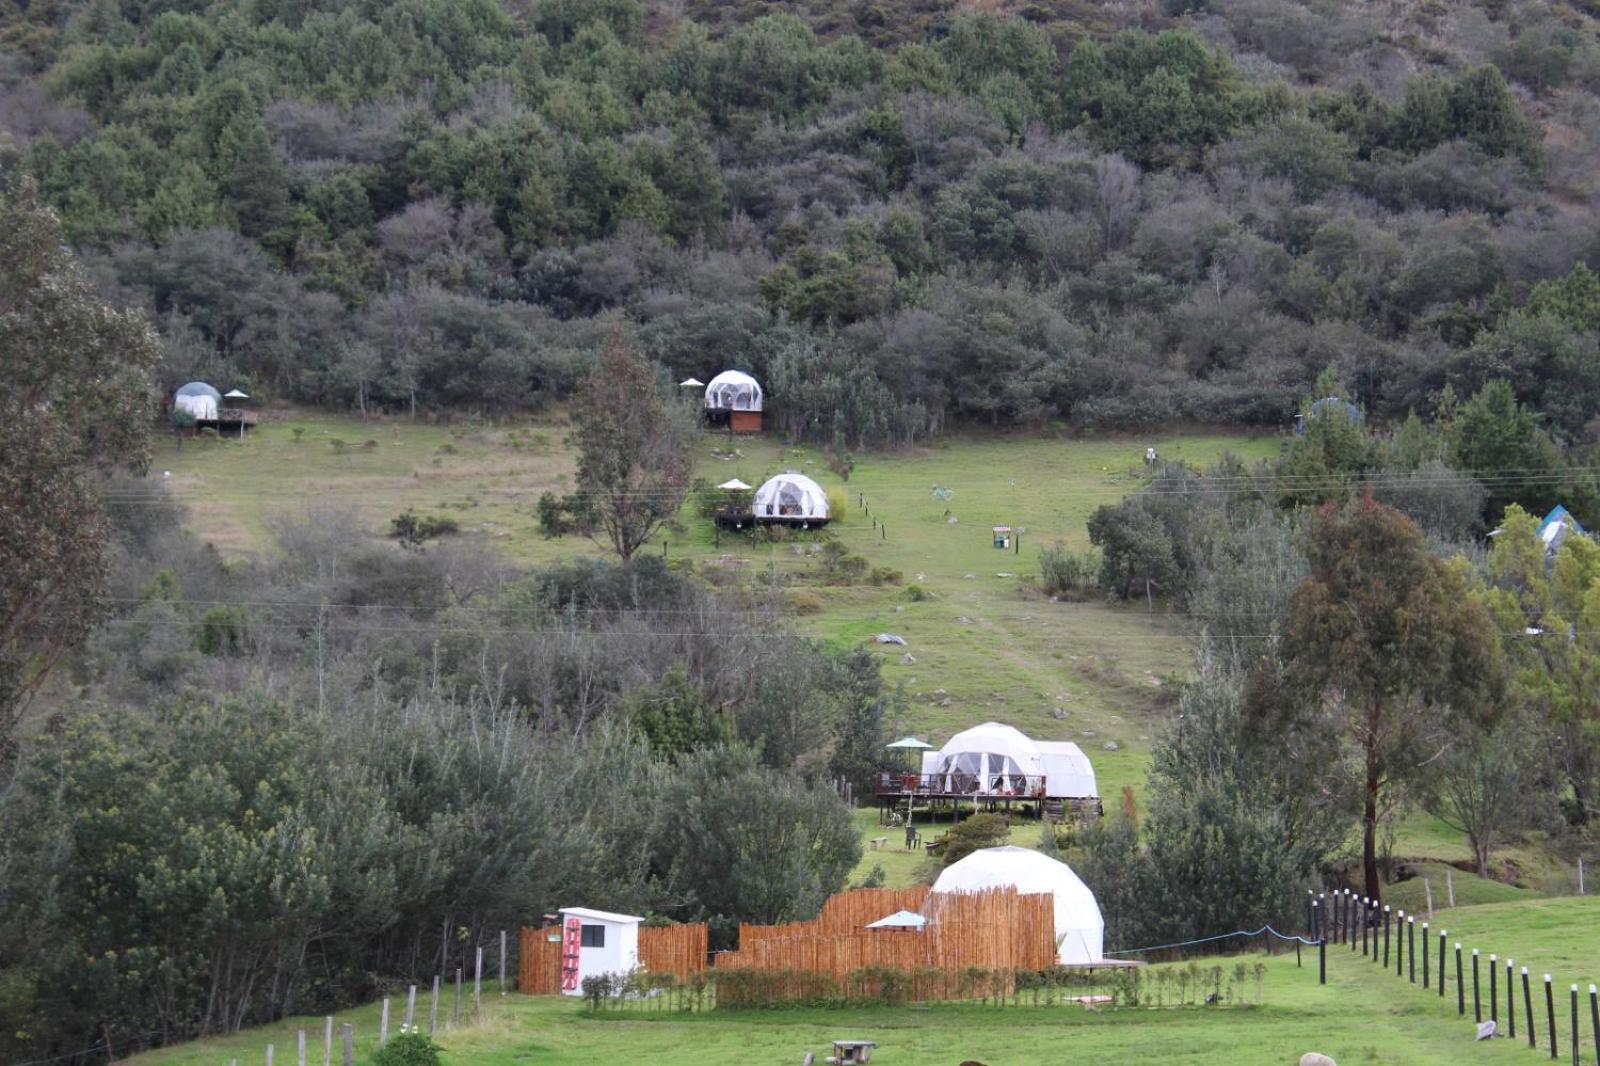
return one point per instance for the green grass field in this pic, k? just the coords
(1363, 1015)
(984, 647)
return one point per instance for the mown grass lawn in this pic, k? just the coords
(1363, 1015)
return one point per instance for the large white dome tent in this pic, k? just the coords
(994, 759)
(1080, 930)
(793, 499)
(736, 398)
(199, 399)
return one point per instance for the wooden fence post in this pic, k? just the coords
(1427, 886)
(269, 1055)
(1450, 886)
(383, 1023)
(349, 1044)
(433, 1007)
(477, 981)
(300, 1048)
(455, 1014)
(502, 962)
(327, 1043)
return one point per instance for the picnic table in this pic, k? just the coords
(851, 1052)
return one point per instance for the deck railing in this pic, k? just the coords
(994, 786)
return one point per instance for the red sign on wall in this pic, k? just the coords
(571, 941)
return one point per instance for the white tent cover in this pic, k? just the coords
(1080, 930)
(995, 758)
(791, 496)
(199, 399)
(733, 390)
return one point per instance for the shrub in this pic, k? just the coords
(917, 594)
(977, 832)
(885, 575)
(410, 1047)
(412, 530)
(1068, 573)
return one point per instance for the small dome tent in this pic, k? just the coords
(735, 398)
(199, 399)
(1080, 929)
(791, 498)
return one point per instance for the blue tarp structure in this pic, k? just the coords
(1556, 525)
(1329, 405)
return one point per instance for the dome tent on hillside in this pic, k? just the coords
(996, 759)
(199, 400)
(734, 398)
(1080, 929)
(792, 499)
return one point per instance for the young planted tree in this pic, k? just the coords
(75, 401)
(1393, 648)
(634, 458)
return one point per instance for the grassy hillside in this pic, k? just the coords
(984, 647)
(1361, 1015)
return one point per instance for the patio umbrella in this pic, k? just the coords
(691, 383)
(734, 485)
(900, 920)
(909, 744)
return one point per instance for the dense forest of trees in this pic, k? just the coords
(897, 215)
(251, 792)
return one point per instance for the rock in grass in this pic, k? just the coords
(909, 659)
(1316, 1058)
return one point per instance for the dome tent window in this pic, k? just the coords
(791, 499)
(735, 399)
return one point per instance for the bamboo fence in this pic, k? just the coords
(997, 930)
(539, 967)
(676, 949)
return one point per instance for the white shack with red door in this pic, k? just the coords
(594, 943)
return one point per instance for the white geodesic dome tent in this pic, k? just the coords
(733, 390)
(988, 758)
(792, 496)
(1080, 930)
(199, 399)
(995, 759)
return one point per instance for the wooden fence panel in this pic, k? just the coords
(677, 949)
(539, 972)
(998, 930)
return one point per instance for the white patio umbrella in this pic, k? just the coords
(691, 383)
(900, 920)
(734, 485)
(237, 394)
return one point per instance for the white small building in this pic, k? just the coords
(595, 943)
